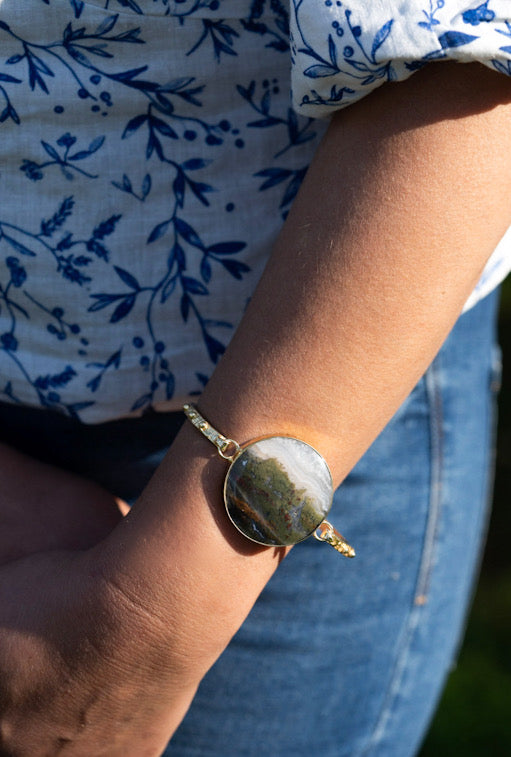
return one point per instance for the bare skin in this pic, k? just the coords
(405, 201)
(43, 508)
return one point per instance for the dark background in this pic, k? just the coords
(474, 716)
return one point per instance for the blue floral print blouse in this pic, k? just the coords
(149, 153)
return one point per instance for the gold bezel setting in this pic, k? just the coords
(277, 490)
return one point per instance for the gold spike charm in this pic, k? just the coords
(327, 533)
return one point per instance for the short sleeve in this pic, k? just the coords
(341, 51)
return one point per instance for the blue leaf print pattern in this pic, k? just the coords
(65, 161)
(298, 133)
(350, 59)
(434, 7)
(343, 50)
(143, 183)
(503, 68)
(455, 39)
(479, 15)
(257, 22)
(221, 36)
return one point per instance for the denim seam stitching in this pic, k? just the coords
(434, 398)
(434, 395)
(491, 447)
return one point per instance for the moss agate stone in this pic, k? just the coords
(278, 490)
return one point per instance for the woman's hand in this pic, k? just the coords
(83, 670)
(43, 508)
(81, 667)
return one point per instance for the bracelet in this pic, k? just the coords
(277, 491)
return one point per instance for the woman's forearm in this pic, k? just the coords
(404, 202)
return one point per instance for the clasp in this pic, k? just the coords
(227, 448)
(327, 533)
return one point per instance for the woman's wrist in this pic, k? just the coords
(177, 555)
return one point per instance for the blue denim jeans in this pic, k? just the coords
(340, 658)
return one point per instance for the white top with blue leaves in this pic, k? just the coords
(148, 156)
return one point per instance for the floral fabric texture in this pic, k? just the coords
(343, 50)
(149, 153)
